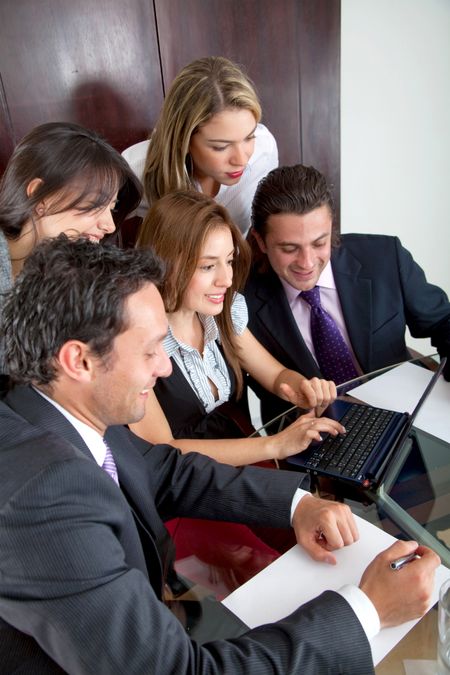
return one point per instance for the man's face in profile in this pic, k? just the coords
(121, 387)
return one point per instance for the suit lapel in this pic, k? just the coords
(275, 313)
(136, 485)
(132, 469)
(38, 411)
(355, 295)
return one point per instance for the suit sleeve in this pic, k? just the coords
(196, 486)
(66, 581)
(427, 308)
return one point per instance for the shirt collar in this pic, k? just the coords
(92, 438)
(171, 344)
(326, 280)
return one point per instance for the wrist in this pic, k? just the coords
(272, 447)
(302, 503)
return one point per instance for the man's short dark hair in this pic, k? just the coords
(289, 189)
(70, 290)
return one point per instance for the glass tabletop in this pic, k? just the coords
(412, 501)
(413, 498)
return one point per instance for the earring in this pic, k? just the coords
(40, 211)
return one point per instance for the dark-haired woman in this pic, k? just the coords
(60, 178)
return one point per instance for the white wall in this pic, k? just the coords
(395, 126)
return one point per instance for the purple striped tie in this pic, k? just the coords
(109, 465)
(332, 353)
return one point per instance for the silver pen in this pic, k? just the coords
(398, 564)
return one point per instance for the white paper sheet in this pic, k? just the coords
(400, 389)
(295, 578)
(420, 667)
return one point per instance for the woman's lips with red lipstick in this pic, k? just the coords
(235, 174)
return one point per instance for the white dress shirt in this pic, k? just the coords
(90, 436)
(237, 198)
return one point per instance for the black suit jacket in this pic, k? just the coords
(381, 290)
(82, 560)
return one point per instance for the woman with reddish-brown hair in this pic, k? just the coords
(209, 344)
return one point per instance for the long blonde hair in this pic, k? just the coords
(202, 89)
(176, 228)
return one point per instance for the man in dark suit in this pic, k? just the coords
(84, 554)
(369, 285)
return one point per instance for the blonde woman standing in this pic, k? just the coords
(208, 138)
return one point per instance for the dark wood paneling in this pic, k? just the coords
(7, 140)
(106, 64)
(289, 48)
(96, 63)
(319, 57)
(260, 35)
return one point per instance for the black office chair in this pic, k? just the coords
(20, 654)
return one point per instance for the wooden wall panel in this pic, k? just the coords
(289, 48)
(96, 63)
(319, 24)
(260, 35)
(107, 64)
(7, 140)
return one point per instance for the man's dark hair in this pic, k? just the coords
(289, 189)
(70, 290)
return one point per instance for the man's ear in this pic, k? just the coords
(76, 360)
(259, 240)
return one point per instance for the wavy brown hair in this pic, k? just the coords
(176, 228)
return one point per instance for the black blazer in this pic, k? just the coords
(186, 414)
(381, 290)
(82, 560)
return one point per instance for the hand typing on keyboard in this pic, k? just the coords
(298, 435)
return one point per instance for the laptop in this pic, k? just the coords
(374, 437)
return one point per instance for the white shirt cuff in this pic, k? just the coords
(298, 494)
(363, 608)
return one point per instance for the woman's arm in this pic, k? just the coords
(155, 428)
(273, 376)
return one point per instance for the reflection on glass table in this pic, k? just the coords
(412, 500)
(406, 474)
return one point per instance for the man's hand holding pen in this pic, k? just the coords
(399, 581)
(402, 592)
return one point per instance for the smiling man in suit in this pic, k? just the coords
(84, 553)
(328, 305)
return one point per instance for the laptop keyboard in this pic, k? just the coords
(346, 454)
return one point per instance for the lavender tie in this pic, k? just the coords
(332, 353)
(110, 466)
